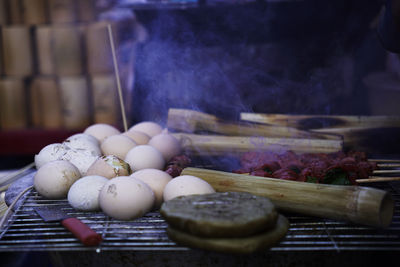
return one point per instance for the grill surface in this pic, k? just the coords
(26, 231)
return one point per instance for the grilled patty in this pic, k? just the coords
(229, 214)
(242, 245)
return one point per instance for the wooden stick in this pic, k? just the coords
(11, 177)
(374, 179)
(217, 145)
(6, 214)
(116, 71)
(363, 205)
(185, 120)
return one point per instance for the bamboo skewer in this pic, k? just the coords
(370, 179)
(218, 145)
(11, 177)
(364, 205)
(385, 171)
(385, 160)
(388, 165)
(8, 211)
(319, 121)
(374, 179)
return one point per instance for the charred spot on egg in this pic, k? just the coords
(109, 166)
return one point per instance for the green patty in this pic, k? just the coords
(242, 245)
(229, 214)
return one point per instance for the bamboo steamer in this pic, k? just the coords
(86, 10)
(105, 101)
(75, 102)
(46, 103)
(13, 113)
(17, 51)
(3, 12)
(99, 57)
(1, 55)
(15, 12)
(67, 50)
(34, 12)
(362, 205)
(62, 11)
(43, 38)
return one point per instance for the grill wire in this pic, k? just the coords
(26, 231)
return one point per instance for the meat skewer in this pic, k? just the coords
(334, 168)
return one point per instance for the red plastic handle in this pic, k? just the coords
(87, 236)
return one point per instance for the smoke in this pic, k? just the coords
(227, 61)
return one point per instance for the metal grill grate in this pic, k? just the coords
(26, 231)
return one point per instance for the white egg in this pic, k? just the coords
(167, 144)
(82, 159)
(84, 138)
(144, 157)
(126, 198)
(186, 185)
(49, 153)
(157, 180)
(139, 137)
(109, 166)
(148, 127)
(84, 193)
(117, 145)
(101, 130)
(54, 179)
(84, 142)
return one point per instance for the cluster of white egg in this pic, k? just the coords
(118, 173)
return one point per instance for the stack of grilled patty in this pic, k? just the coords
(231, 222)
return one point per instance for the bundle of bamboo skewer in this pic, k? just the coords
(375, 134)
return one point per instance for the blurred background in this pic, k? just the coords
(221, 57)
